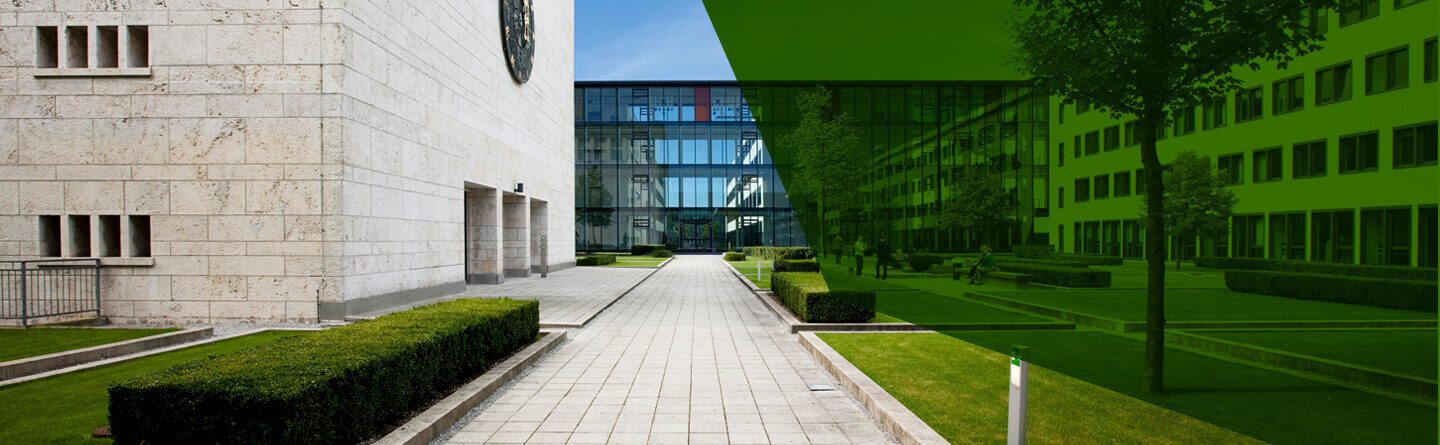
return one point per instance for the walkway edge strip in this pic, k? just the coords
(592, 316)
(146, 353)
(49, 362)
(433, 422)
(893, 415)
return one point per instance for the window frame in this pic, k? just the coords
(1348, 88)
(1272, 165)
(1082, 189)
(1309, 148)
(1092, 145)
(1291, 85)
(1110, 141)
(1213, 113)
(1395, 77)
(1234, 175)
(1395, 146)
(1430, 67)
(1116, 190)
(1100, 187)
(1340, 148)
(1359, 18)
(1252, 102)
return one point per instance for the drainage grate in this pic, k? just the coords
(821, 387)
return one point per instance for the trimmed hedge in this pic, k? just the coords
(645, 249)
(341, 385)
(941, 269)
(780, 253)
(1092, 259)
(662, 253)
(597, 259)
(806, 294)
(1314, 267)
(1060, 276)
(1056, 263)
(1036, 251)
(797, 266)
(734, 256)
(922, 263)
(1415, 295)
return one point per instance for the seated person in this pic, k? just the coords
(900, 257)
(987, 263)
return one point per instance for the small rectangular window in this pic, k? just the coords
(1288, 95)
(1360, 153)
(1092, 143)
(1112, 138)
(1131, 137)
(1140, 181)
(1060, 154)
(1062, 197)
(109, 235)
(1268, 165)
(139, 246)
(1415, 145)
(47, 47)
(1077, 147)
(1082, 189)
(1102, 186)
(1249, 104)
(1232, 168)
(1214, 113)
(49, 236)
(1403, 3)
(1318, 18)
(1332, 84)
(77, 47)
(1430, 61)
(138, 46)
(1387, 71)
(79, 229)
(107, 47)
(1122, 184)
(1308, 160)
(1356, 11)
(1185, 121)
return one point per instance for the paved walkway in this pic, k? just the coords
(568, 298)
(689, 356)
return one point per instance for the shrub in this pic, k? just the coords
(806, 294)
(1415, 295)
(1353, 270)
(1036, 251)
(1060, 276)
(597, 259)
(734, 256)
(662, 253)
(341, 385)
(1092, 259)
(941, 269)
(645, 249)
(780, 253)
(797, 266)
(1056, 263)
(922, 263)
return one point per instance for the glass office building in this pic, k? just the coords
(920, 136)
(675, 163)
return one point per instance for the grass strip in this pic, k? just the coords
(35, 342)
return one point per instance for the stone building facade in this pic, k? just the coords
(265, 160)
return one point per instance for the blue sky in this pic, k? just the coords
(646, 40)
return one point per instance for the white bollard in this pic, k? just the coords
(1019, 386)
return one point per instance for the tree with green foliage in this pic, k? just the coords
(599, 202)
(1197, 203)
(1143, 58)
(829, 161)
(977, 203)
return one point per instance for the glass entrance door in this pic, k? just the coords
(1287, 237)
(695, 235)
(1385, 237)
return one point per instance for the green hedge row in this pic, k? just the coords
(661, 253)
(806, 294)
(1056, 263)
(1036, 251)
(1315, 267)
(922, 263)
(1090, 258)
(734, 256)
(645, 249)
(1413, 295)
(595, 259)
(338, 386)
(797, 266)
(780, 253)
(1060, 276)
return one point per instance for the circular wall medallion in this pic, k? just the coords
(517, 29)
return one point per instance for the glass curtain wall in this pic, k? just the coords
(676, 164)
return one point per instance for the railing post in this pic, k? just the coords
(97, 288)
(24, 306)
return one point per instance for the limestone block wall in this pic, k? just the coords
(218, 139)
(428, 108)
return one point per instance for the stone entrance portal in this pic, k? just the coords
(517, 235)
(483, 236)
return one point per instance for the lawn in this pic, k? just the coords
(927, 308)
(1200, 305)
(748, 268)
(67, 407)
(959, 389)
(1268, 405)
(1405, 352)
(636, 261)
(33, 342)
(1132, 275)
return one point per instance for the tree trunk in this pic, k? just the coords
(1154, 255)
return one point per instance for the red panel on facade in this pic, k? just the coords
(702, 104)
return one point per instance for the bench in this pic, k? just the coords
(1021, 280)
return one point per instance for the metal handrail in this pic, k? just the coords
(61, 295)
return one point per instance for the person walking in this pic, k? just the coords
(987, 263)
(883, 259)
(838, 245)
(860, 247)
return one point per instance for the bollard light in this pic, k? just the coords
(1019, 386)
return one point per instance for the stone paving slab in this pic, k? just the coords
(688, 356)
(568, 298)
